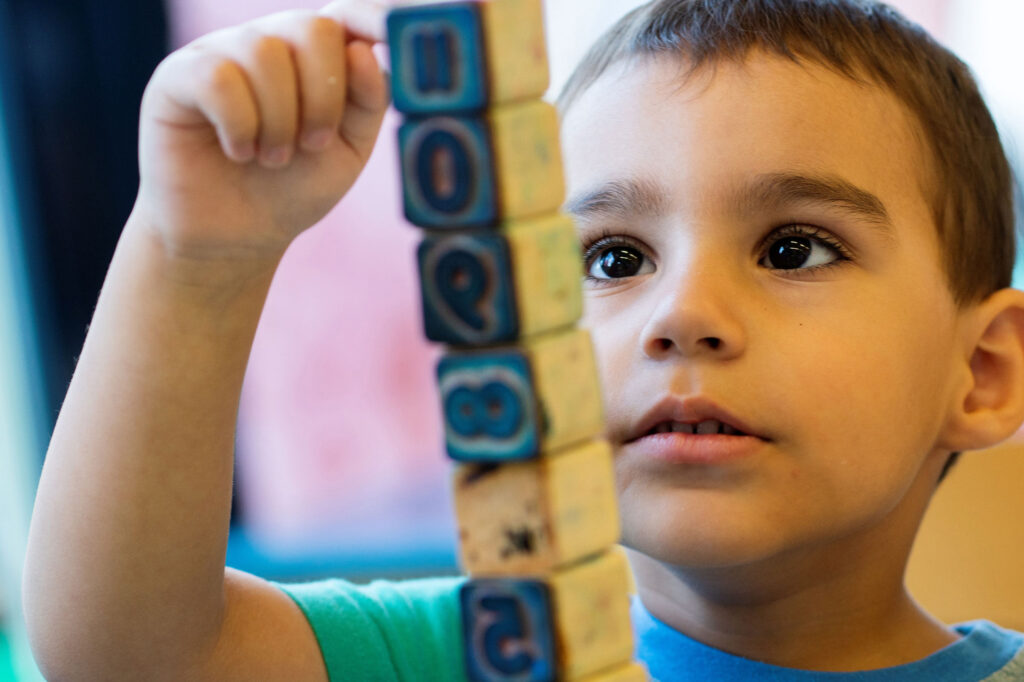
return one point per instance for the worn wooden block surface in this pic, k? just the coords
(565, 626)
(632, 672)
(466, 56)
(533, 517)
(513, 403)
(495, 286)
(476, 171)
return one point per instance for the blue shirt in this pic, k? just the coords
(405, 631)
(984, 651)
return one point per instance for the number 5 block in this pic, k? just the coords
(460, 172)
(489, 287)
(536, 516)
(514, 403)
(466, 56)
(565, 626)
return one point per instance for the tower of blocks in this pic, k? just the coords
(500, 274)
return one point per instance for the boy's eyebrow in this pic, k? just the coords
(639, 197)
(780, 189)
(629, 197)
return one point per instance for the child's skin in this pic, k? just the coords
(861, 377)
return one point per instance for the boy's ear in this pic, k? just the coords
(988, 407)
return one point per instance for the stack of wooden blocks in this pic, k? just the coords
(500, 270)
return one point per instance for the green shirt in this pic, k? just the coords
(386, 631)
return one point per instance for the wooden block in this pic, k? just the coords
(534, 517)
(514, 403)
(477, 171)
(464, 57)
(489, 287)
(631, 672)
(568, 625)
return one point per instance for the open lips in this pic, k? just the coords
(706, 427)
(694, 415)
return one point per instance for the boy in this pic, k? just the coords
(797, 222)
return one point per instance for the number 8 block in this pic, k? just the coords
(514, 403)
(491, 287)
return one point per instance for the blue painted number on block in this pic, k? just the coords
(448, 177)
(435, 61)
(467, 290)
(438, 59)
(489, 407)
(507, 626)
(493, 410)
(443, 169)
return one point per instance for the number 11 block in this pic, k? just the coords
(466, 56)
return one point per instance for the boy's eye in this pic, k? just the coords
(615, 262)
(802, 248)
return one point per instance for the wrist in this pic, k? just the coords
(217, 276)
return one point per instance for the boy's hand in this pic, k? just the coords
(250, 135)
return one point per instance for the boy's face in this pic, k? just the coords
(766, 245)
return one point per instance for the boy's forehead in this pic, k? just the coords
(745, 126)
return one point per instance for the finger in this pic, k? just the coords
(217, 89)
(367, 99)
(270, 68)
(319, 49)
(363, 19)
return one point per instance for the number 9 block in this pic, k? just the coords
(491, 287)
(565, 626)
(466, 56)
(513, 403)
(461, 172)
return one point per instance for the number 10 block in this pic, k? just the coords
(476, 171)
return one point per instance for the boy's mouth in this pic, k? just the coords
(693, 415)
(706, 427)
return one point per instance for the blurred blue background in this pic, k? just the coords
(71, 78)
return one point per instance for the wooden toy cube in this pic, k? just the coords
(477, 171)
(513, 403)
(490, 287)
(631, 672)
(536, 516)
(564, 626)
(464, 57)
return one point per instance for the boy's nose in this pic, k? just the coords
(693, 314)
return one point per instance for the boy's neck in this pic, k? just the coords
(829, 626)
(836, 607)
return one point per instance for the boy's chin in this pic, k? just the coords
(691, 545)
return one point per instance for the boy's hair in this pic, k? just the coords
(970, 186)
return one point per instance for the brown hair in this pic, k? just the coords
(970, 186)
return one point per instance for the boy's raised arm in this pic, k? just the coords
(248, 136)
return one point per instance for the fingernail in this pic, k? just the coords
(243, 151)
(276, 156)
(316, 140)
